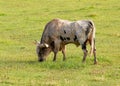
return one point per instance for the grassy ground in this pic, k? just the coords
(22, 22)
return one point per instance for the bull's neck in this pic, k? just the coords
(43, 40)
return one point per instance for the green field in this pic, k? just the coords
(23, 21)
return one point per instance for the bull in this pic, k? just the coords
(58, 33)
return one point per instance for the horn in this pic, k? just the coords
(43, 45)
(46, 45)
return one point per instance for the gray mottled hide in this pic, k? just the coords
(58, 33)
(67, 30)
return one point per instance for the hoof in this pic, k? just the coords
(41, 60)
(54, 60)
(95, 63)
(64, 59)
(83, 61)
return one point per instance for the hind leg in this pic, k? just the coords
(94, 51)
(95, 60)
(84, 51)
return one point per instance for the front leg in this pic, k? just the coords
(63, 52)
(56, 48)
(55, 55)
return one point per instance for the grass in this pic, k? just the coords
(23, 21)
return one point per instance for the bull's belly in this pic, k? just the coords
(70, 41)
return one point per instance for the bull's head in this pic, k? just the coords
(42, 51)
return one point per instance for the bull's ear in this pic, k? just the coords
(37, 43)
(43, 45)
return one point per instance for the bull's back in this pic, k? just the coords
(66, 31)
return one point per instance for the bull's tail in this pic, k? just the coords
(92, 39)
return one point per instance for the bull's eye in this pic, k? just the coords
(40, 51)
